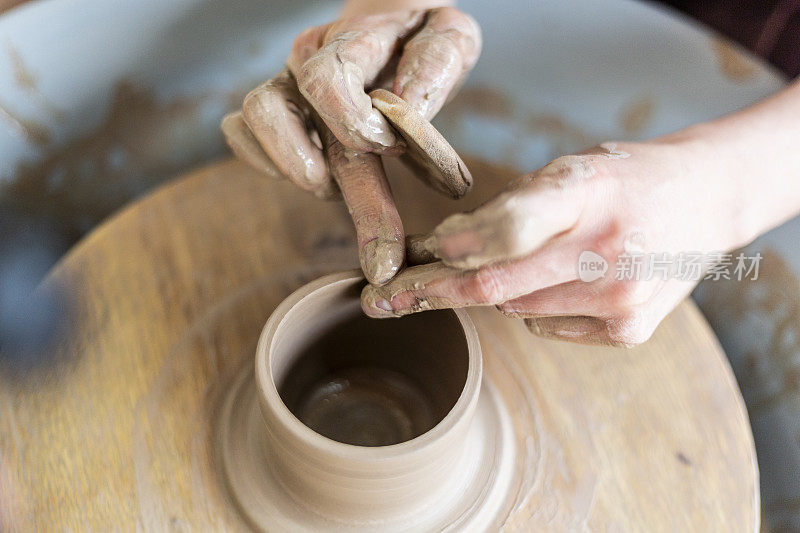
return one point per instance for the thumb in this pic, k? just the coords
(513, 224)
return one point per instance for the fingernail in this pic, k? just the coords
(381, 260)
(374, 304)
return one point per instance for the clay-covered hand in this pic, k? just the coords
(520, 251)
(422, 56)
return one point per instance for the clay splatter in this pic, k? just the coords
(637, 115)
(733, 63)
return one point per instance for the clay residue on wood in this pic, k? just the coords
(767, 367)
(770, 375)
(22, 76)
(28, 129)
(481, 99)
(80, 183)
(733, 63)
(26, 80)
(492, 104)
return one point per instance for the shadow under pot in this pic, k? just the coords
(366, 419)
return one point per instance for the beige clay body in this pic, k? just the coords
(401, 442)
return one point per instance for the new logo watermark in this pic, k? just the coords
(685, 266)
(591, 266)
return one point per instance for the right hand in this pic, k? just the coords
(422, 56)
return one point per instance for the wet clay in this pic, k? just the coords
(279, 117)
(733, 63)
(637, 115)
(80, 183)
(31, 131)
(245, 146)
(377, 383)
(417, 253)
(277, 106)
(531, 210)
(379, 228)
(428, 153)
(364, 422)
(421, 277)
(351, 57)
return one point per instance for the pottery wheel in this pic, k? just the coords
(118, 429)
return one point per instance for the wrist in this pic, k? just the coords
(717, 195)
(751, 166)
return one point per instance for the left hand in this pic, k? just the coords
(421, 55)
(520, 250)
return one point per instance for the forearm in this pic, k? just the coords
(756, 154)
(370, 7)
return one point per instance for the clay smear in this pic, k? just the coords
(637, 115)
(732, 62)
(362, 180)
(533, 209)
(422, 277)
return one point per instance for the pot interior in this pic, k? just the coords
(365, 381)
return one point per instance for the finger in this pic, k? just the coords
(274, 114)
(580, 329)
(517, 221)
(245, 146)
(571, 298)
(417, 253)
(438, 286)
(333, 79)
(436, 59)
(362, 181)
(307, 43)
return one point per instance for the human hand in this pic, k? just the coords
(422, 56)
(520, 250)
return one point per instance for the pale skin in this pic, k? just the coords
(709, 188)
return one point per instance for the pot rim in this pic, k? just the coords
(460, 412)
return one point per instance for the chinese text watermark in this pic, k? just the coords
(685, 266)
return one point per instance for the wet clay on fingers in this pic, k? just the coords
(428, 153)
(279, 118)
(533, 209)
(362, 181)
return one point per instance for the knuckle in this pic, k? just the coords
(258, 100)
(608, 244)
(507, 309)
(567, 170)
(305, 45)
(517, 310)
(303, 42)
(485, 287)
(456, 20)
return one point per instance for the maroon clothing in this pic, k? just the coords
(770, 28)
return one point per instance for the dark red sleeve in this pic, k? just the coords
(770, 28)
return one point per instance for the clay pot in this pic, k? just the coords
(366, 420)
